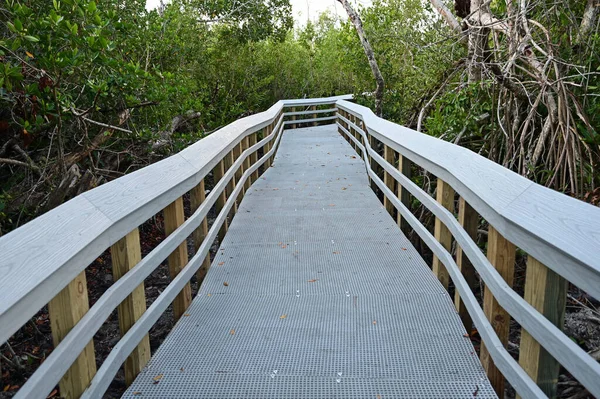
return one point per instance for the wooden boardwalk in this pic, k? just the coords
(316, 293)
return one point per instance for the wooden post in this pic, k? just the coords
(126, 253)
(314, 116)
(253, 157)
(197, 197)
(247, 164)
(402, 193)
(237, 150)
(546, 291)
(501, 254)
(445, 196)
(174, 217)
(469, 220)
(293, 118)
(269, 145)
(389, 181)
(66, 309)
(218, 173)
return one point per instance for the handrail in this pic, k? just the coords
(457, 166)
(560, 231)
(40, 258)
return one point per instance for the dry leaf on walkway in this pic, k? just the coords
(226, 284)
(232, 332)
(283, 316)
(374, 322)
(336, 252)
(313, 280)
(220, 263)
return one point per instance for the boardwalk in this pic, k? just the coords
(316, 293)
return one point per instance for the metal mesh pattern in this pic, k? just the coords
(316, 293)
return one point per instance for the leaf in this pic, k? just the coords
(344, 188)
(284, 246)
(336, 252)
(92, 6)
(157, 378)
(404, 249)
(53, 393)
(32, 38)
(186, 315)
(374, 322)
(283, 316)
(220, 263)
(29, 54)
(313, 280)
(136, 393)
(226, 284)
(232, 332)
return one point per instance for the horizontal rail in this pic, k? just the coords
(42, 257)
(131, 339)
(311, 112)
(329, 118)
(59, 361)
(561, 347)
(558, 230)
(513, 372)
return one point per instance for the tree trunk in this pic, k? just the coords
(355, 18)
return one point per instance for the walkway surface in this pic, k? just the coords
(316, 293)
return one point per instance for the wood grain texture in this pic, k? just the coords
(174, 217)
(65, 310)
(246, 145)
(253, 157)
(469, 220)
(501, 254)
(197, 198)
(547, 292)
(445, 196)
(125, 254)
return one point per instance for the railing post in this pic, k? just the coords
(269, 145)
(66, 309)
(389, 181)
(293, 118)
(218, 173)
(126, 253)
(401, 192)
(546, 291)
(237, 150)
(253, 156)
(469, 220)
(174, 217)
(445, 196)
(314, 116)
(501, 254)
(197, 197)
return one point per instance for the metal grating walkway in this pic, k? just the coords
(325, 297)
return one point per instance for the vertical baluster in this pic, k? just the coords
(125, 254)
(294, 118)
(269, 145)
(174, 217)
(389, 181)
(66, 309)
(314, 116)
(445, 196)
(254, 156)
(501, 254)
(547, 292)
(469, 220)
(237, 150)
(218, 173)
(402, 193)
(197, 197)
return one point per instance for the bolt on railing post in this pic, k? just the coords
(125, 254)
(546, 291)
(65, 310)
(174, 217)
(469, 220)
(445, 196)
(197, 197)
(501, 254)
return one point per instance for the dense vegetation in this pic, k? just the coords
(89, 91)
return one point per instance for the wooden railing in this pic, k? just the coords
(559, 234)
(44, 261)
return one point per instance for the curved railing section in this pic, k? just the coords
(44, 261)
(559, 234)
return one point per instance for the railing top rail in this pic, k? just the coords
(43, 256)
(560, 231)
